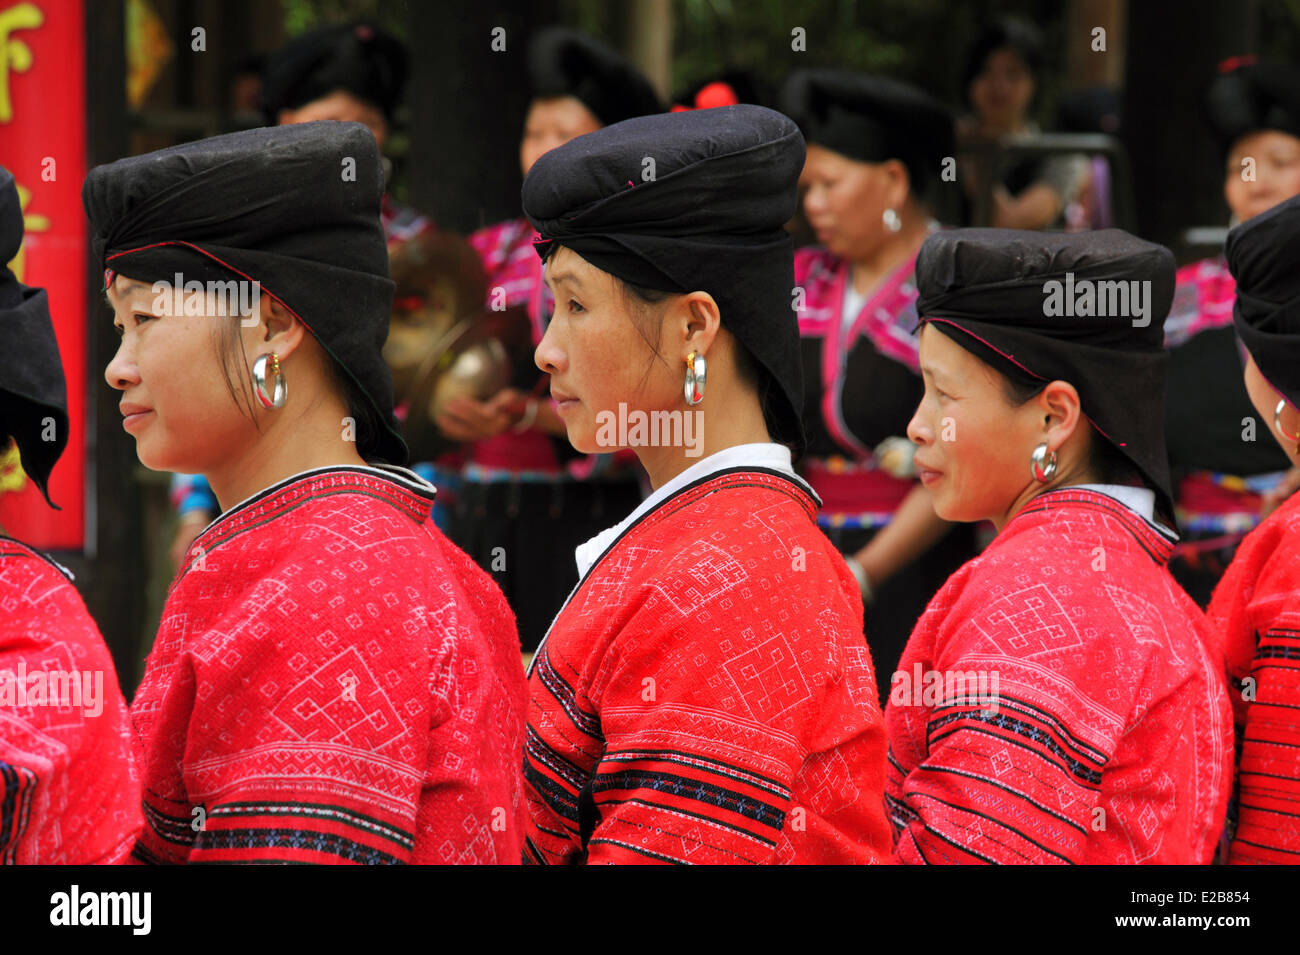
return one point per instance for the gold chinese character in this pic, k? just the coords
(14, 53)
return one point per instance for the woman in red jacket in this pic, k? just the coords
(332, 681)
(1257, 604)
(705, 694)
(1060, 700)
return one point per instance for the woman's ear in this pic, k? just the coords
(1061, 413)
(698, 318)
(897, 184)
(281, 329)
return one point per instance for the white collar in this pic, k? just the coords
(775, 457)
(1139, 500)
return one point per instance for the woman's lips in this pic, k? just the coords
(132, 420)
(927, 476)
(562, 401)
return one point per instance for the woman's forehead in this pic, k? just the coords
(123, 287)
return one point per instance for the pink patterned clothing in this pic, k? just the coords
(514, 271)
(401, 222)
(861, 385)
(69, 786)
(1091, 723)
(514, 274)
(332, 682)
(1204, 292)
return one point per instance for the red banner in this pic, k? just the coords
(43, 143)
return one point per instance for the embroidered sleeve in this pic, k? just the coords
(1008, 776)
(684, 777)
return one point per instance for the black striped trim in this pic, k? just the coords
(539, 751)
(712, 820)
(142, 854)
(560, 800)
(702, 792)
(178, 830)
(1086, 750)
(1000, 823)
(772, 787)
(302, 840)
(340, 814)
(563, 693)
(1090, 779)
(19, 785)
(1013, 792)
(658, 856)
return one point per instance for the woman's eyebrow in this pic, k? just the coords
(554, 278)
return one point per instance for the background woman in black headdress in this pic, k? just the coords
(1000, 83)
(526, 500)
(875, 150)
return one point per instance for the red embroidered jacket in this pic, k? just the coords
(332, 681)
(705, 694)
(1108, 735)
(69, 790)
(1256, 607)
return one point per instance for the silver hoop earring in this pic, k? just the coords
(696, 370)
(1042, 465)
(891, 220)
(279, 394)
(1277, 423)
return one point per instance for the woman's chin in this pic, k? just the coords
(156, 459)
(587, 444)
(951, 510)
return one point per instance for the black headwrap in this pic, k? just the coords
(32, 386)
(712, 219)
(988, 290)
(294, 207)
(872, 119)
(1262, 255)
(1251, 98)
(564, 62)
(358, 58)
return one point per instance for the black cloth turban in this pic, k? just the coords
(872, 119)
(1262, 255)
(358, 58)
(1252, 98)
(563, 62)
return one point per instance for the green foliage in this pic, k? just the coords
(301, 15)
